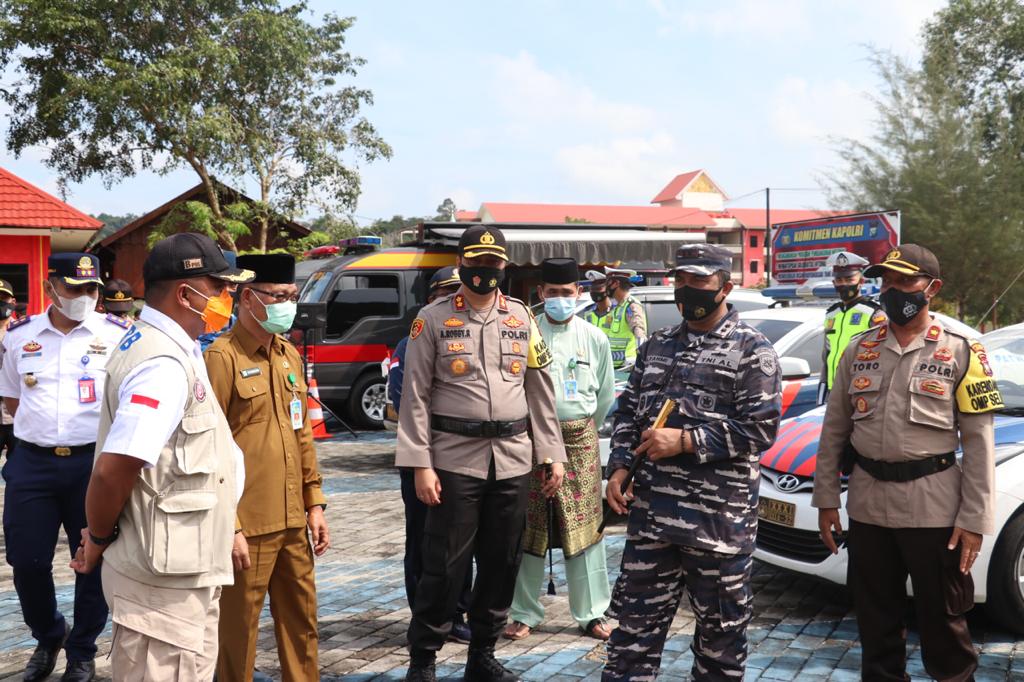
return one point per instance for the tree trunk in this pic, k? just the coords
(213, 198)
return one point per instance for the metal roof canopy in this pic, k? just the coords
(531, 243)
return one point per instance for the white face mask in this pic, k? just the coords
(77, 308)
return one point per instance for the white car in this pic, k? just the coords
(788, 529)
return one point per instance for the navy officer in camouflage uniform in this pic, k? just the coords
(694, 517)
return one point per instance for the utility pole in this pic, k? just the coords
(768, 235)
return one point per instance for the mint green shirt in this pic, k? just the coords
(580, 352)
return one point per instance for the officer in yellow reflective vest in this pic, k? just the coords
(625, 324)
(852, 314)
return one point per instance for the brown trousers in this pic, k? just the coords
(282, 563)
(880, 561)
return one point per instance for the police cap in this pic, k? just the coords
(75, 269)
(702, 259)
(908, 259)
(445, 277)
(845, 263)
(481, 240)
(117, 296)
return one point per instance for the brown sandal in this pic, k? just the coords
(598, 629)
(517, 631)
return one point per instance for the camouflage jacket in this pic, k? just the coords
(727, 387)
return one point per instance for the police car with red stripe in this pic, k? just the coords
(788, 527)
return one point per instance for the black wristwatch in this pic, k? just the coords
(107, 540)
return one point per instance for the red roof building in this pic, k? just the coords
(32, 224)
(690, 202)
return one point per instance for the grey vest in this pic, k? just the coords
(177, 527)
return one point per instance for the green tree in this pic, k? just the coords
(245, 89)
(932, 157)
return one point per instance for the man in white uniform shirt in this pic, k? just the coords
(168, 476)
(52, 376)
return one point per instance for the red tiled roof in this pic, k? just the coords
(754, 217)
(678, 216)
(22, 204)
(464, 216)
(675, 186)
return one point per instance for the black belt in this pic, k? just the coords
(59, 450)
(477, 429)
(906, 471)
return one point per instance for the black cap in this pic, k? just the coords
(703, 259)
(189, 254)
(909, 259)
(75, 268)
(6, 288)
(445, 277)
(270, 268)
(559, 271)
(117, 296)
(482, 240)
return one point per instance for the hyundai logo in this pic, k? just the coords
(787, 483)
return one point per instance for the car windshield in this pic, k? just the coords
(772, 329)
(1006, 355)
(315, 286)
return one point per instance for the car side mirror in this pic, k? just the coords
(794, 368)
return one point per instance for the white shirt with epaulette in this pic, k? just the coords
(42, 368)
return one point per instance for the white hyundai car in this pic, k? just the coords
(788, 530)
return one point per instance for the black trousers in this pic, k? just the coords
(880, 561)
(477, 517)
(44, 493)
(415, 522)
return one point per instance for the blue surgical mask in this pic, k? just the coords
(559, 309)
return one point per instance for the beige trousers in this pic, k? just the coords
(161, 634)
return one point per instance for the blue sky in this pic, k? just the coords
(592, 102)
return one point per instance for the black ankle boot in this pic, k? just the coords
(482, 666)
(421, 667)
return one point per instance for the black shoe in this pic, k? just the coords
(421, 671)
(460, 633)
(44, 659)
(79, 671)
(482, 666)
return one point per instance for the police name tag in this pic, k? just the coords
(570, 389)
(295, 409)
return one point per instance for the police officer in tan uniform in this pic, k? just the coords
(907, 395)
(161, 500)
(478, 412)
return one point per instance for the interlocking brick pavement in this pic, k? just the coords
(802, 627)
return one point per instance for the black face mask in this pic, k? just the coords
(697, 303)
(481, 280)
(901, 307)
(847, 292)
(598, 296)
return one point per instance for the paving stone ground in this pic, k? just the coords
(803, 628)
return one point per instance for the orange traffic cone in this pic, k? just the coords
(316, 413)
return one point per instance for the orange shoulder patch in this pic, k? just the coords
(416, 329)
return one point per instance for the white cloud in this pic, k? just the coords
(805, 111)
(533, 98)
(627, 169)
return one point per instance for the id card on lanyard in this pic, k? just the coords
(86, 385)
(295, 406)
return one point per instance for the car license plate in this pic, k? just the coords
(777, 511)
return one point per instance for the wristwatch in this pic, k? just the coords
(107, 540)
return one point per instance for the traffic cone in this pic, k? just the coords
(316, 413)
